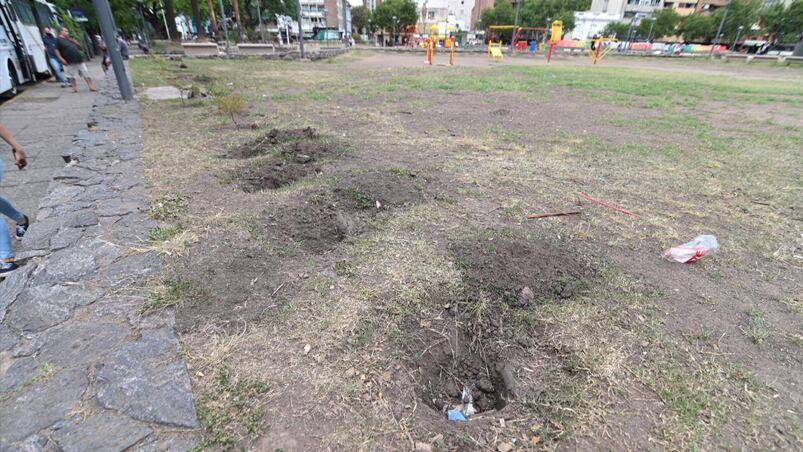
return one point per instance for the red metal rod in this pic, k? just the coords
(608, 205)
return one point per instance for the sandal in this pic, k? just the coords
(22, 228)
(6, 267)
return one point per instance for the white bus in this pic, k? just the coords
(23, 56)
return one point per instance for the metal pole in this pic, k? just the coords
(164, 18)
(738, 33)
(393, 36)
(107, 29)
(649, 35)
(515, 26)
(225, 25)
(300, 31)
(259, 16)
(719, 30)
(630, 30)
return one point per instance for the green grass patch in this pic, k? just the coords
(171, 291)
(231, 410)
(164, 234)
(757, 330)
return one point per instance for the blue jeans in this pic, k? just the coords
(58, 71)
(6, 251)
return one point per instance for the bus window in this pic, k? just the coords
(45, 15)
(24, 13)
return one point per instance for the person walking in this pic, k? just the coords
(69, 52)
(50, 41)
(7, 262)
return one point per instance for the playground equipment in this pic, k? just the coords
(495, 51)
(600, 47)
(554, 37)
(432, 43)
(528, 36)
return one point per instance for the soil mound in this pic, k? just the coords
(283, 157)
(505, 266)
(273, 141)
(389, 189)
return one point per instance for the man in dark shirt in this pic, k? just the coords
(50, 41)
(69, 53)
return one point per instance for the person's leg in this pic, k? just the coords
(6, 251)
(83, 71)
(57, 72)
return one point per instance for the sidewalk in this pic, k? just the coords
(43, 119)
(82, 368)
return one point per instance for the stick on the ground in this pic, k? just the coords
(608, 205)
(552, 214)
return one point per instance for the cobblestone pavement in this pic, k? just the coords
(80, 368)
(43, 119)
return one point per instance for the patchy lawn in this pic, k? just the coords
(351, 250)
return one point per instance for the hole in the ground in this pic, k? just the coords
(453, 362)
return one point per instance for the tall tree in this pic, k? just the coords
(359, 18)
(404, 10)
(196, 17)
(663, 23)
(697, 27)
(170, 18)
(743, 13)
(618, 29)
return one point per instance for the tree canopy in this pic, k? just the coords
(534, 13)
(697, 27)
(663, 23)
(404, 10)
(359, 18)
(619, 29)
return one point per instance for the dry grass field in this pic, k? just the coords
(348, 248)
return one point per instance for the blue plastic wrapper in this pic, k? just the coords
(456, 415)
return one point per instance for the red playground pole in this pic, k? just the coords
(551, 46)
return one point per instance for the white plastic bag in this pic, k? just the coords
(701, 246)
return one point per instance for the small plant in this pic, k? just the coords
(360, 200)
(231, 104)
(758, 332)
(231, 408)
(163, 234)
(171, 291)
(169, 206)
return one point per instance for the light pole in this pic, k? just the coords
(649, 35)
(719, 30)
(370, 32)
(108, 30)
(259, 16)
(517, 4)
(738, 33)
(548, 24)
(225, 25)
(630, 30)
(393, 38)
(300, 31)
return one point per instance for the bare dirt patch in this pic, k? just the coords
(320, 218)
(522, 271)
(285, 157)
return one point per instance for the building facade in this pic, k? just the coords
(476, 12)
(682, 7)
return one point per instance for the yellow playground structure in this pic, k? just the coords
(495, 51)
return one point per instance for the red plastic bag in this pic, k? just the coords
(701, 246)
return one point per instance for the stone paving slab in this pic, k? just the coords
(43, 118)
(80, 368)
